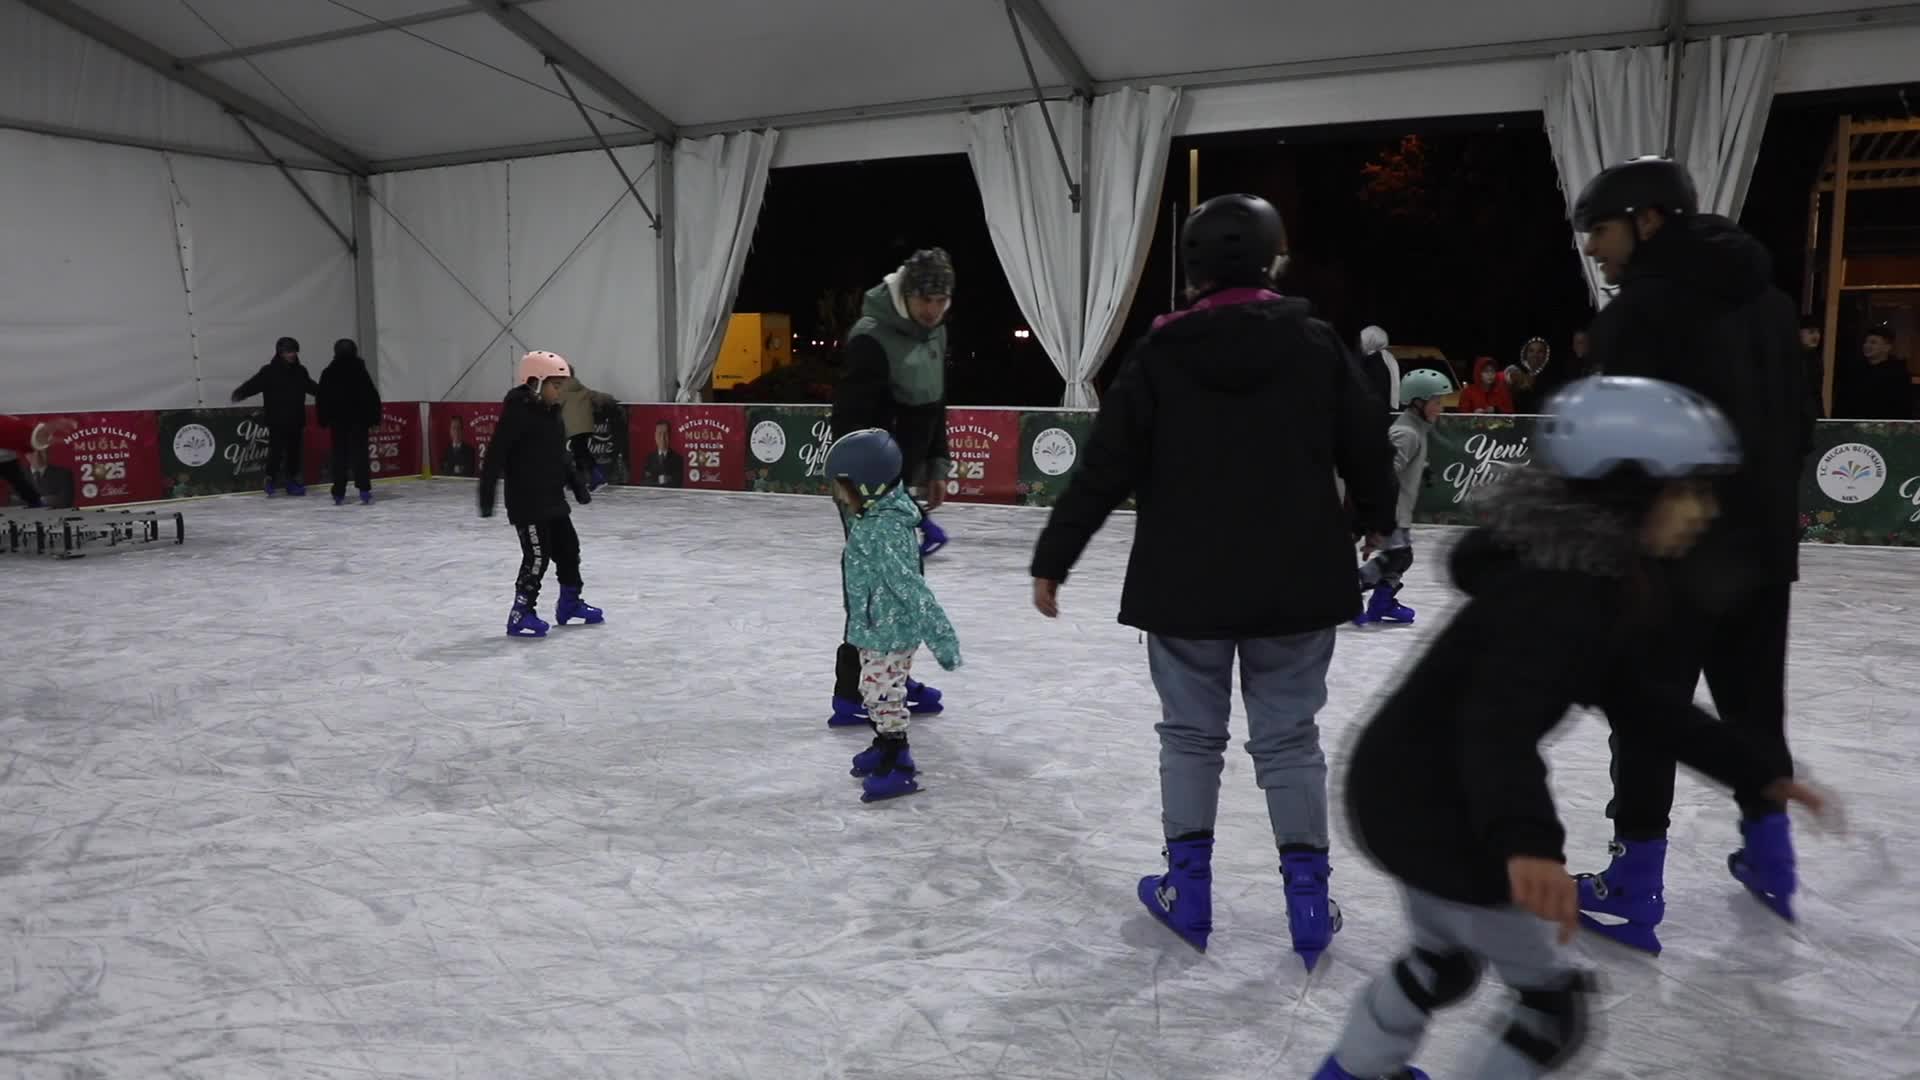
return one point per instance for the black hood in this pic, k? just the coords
(1708, 254)
(525, 397)
(1237, 346)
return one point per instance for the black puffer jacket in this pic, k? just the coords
(1228, 426)
(529, 449)
(1446, 782)
(285, 385)
(347, 397)
(1697, 306)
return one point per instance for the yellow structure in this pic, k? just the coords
(754, 345)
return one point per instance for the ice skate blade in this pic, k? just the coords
(1637, 936)
(1779, 905)
(1146, 891)
(911, 788)
(925, 708)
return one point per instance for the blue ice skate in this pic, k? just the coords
(922, 699)
(932, 536)
(1766, 865)
(271, 487)
(1182, 898)
(339, 500)
(572, 607)
(1332, 1071)
(296, 488)
(1312, 918)
(366, 497)
(597, 479)
(1632, 888)
(1384, 606)
(889, 769)
(523, 621)
(848, 712)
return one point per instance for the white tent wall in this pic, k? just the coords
(461, 252)
(54, 79)
(96, 313)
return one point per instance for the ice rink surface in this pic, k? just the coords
(286, 803)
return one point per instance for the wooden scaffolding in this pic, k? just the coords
(1865, 155)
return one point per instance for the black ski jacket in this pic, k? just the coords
(347, 397)
(529, 449)
(285, 385)
(1446, 782)
(1228, 426)
(1698, 307)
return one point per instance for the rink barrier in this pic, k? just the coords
(1861, 484)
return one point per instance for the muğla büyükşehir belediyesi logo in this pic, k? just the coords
(1851, 473)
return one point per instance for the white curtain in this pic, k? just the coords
(719, 183)
(1131, 133)
(1030, 217)
(1604, 108)
(1726, 91)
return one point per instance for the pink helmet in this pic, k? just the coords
(541, 364)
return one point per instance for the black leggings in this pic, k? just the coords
(551, 541)
(1743, 652)
(284, 446)
(350, 456)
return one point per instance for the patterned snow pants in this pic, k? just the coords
(883, 688)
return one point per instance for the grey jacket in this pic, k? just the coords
(1409, 435)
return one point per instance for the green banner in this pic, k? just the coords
(1467, 453)
(212, 451)
(1862, 484)
(1051, 444)
(787, 448)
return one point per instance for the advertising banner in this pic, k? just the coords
(1050, 445)
(393, 448)
(984, 449)
(212, 451)
(787, 448)
(611, 440)
(688, 446)
(1862, 484)
(1465, 454)
(108, 457)
(457, 436)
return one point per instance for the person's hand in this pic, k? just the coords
(1543, 887)
(1825, 810)
(937, 487)
(1046, 597)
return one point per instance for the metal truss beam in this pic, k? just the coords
(553, 47)
(1054, 44)
(345, 33)
(132, 45)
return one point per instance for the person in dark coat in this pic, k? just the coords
(284, 384)
(1877, 385)
(1813, 330)
(896, 381)
(1228, 424)
(1446, 789)
(348, 405)
(1697, 307)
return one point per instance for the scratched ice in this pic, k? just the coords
(285, 803)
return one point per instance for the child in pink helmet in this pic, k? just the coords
(529, 449)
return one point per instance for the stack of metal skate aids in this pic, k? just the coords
(73, 534)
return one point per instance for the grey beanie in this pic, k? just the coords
(928, 272)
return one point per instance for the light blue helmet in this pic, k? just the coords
(869, 459)
(1598, 425)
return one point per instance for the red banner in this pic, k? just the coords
(109, 457)
(394, 446)
(692, 446)
(469, 422)
(984, 450)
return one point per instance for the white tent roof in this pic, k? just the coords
(380, 84)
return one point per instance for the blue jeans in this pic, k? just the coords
(1283, 681)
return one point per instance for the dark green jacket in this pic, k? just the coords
(895, 380)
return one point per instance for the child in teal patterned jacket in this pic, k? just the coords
(890, 609)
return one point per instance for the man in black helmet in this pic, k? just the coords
(1229, 423)
(1696, 306)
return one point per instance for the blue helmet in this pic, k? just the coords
(1599, 425)
(868, 459)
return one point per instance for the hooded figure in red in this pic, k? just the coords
(1488, 393)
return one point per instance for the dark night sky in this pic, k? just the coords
(1474, 257)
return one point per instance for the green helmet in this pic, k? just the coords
(1421, 384)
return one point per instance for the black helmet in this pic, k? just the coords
(1232, 240)
(1645, 183)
